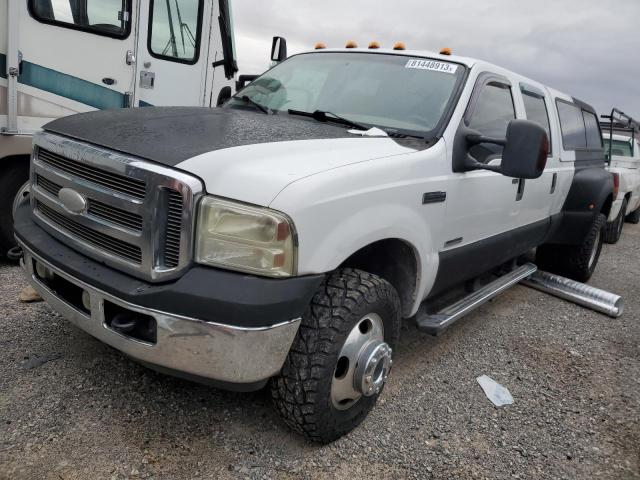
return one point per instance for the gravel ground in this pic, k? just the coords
(72, 408)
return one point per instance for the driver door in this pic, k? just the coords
(480, 203)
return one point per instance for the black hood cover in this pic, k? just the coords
(170, 135)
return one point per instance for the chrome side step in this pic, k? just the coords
(436, 323)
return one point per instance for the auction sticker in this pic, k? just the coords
(433, 65)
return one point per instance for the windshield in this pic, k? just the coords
(393, 92)
(619, 148)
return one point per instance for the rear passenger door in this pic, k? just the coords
(536, 196)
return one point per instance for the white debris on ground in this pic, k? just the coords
(495, 392)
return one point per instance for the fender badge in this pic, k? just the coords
(72, 200)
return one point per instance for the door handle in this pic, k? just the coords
(554, 180)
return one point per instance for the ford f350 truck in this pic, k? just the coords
(284, 238)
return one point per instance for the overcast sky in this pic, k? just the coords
(586, 48)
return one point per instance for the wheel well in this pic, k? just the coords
(395, 261)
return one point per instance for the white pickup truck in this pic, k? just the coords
(624, 164)
(283, 238)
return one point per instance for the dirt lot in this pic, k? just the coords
(71, 407)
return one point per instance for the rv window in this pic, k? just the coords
(572, 126)
(102, 17)
(594, 139)
(536, 111)
(174, 30)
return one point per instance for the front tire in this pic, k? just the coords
(574, 261)
(342, 349)
(613, 230)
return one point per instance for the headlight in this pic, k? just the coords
(249, 239)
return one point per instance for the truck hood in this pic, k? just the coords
(243, 155)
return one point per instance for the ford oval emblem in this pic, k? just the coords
(72, 200)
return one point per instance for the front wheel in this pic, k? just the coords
(341, 356)
(577, 262)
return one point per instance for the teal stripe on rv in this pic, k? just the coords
(67, 86)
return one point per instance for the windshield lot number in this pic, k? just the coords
(431, 65)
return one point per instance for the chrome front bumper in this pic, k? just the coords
(186, 346)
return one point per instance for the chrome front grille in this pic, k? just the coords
(98, 209)
(137, 216)
(119, 183)
(112, 245)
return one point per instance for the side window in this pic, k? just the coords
(572, 126)
(102, 17)
(174, 30)
(536, 111)
(594, 138)
(491, 115)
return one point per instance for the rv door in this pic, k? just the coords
(173, 50)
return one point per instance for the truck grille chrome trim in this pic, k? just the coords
(119, 183)
(99, 240)
(139, 216)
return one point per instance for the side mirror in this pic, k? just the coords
(526, 148)
(224, 95)
(278, 49)
(243, 80)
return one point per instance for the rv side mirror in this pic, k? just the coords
(526, 150)
(278, 49)
(224, 95)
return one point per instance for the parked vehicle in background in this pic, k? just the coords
(622, 148)
(283, 238)
(58, 58)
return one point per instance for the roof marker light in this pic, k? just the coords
(320, 46)
(351, 44)
(374, 45)
(399, 46)
(445, 51)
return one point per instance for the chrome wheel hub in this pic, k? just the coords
(373, 369)
(363, 364)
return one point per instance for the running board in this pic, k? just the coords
(434, 324)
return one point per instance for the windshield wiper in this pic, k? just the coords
(321, 116)
(262, 108)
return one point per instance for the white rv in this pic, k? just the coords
(60, 57)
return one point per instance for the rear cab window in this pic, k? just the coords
(580, 128)
(101, 17)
